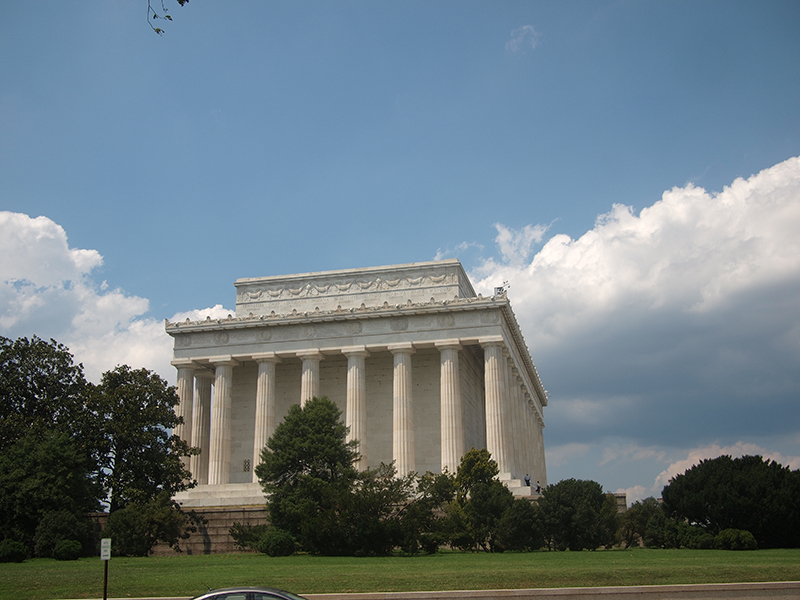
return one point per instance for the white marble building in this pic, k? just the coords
(422, 368)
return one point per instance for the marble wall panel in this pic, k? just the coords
(243, 412)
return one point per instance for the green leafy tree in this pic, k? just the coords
(41, 389)
(422, 519)
(307, 470)
(633, 522)
(520, 527)
(747, 493)
(137, 528)
(139, 457)
(663, 532)
(577, 515)
(474, 516)
(319, 498)
(42, 473)
(373, 513)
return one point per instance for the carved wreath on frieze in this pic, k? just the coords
(311, 290)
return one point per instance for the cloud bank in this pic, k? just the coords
(674, 328)
(47, 289)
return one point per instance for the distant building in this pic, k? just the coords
(422, 368)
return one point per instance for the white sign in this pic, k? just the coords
(105, 549)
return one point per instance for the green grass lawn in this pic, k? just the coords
(187, 575)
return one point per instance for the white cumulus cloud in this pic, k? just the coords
(47, 289)
(690, 251)
(677, 327)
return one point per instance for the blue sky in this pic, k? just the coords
(629, 167)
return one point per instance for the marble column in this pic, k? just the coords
(356, 409)
(452, 426)
(402, 410)
(184, 409)
(265, 405)
(219, 452)
(201, 425)
(309, 387)
(530, 449)
(511, 425)
(542, 470)
(494, 384)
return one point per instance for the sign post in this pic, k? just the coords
(105, 556)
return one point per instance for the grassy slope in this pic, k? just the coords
(187, 575)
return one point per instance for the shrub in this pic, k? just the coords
(137, 528)
(735, 539)
(12, 551)
(276, 542)
(68, 550)
(246, 537)
(61, 525)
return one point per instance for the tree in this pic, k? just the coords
(577, 515)
(41, 389)
(139, 457)
(138, 527)
(520, 527)
(422, 521)
(474, 516)
(307, 470)
(42, 473)
(633, 523)
(319, 498)
(747, 493)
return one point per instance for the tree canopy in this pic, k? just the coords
(41, 389)
(42, 473)
(747, 493)
(139, 457)
(316, 494)
(68, 445)
(577, 515)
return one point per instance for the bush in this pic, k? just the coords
(61, 525)
(735, 539)
(12, 551)
(246, 537)
(520, 527)
(68, 550)
(137, 528)
(276, 542)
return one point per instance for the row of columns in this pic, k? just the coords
(513, 428)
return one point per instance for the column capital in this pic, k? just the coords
(492, 341)
(223, 361)
(268, 357)
(184, 363)
(404, 348)
(312, 353)
(356, 351)
(454, 344)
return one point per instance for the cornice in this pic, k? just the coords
(338, 314)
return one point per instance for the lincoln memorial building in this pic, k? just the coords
(422, 368)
